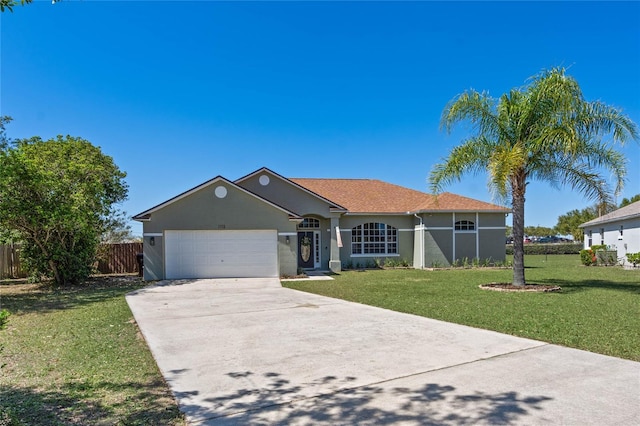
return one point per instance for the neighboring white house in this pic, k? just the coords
(620, 230)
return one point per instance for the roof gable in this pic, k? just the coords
(145, 215)
(333, 204)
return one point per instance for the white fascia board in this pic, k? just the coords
(596, 222)
(504, 211)
(377, 214)
(399, 230)
(421, 212)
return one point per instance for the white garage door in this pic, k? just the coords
(220, 254)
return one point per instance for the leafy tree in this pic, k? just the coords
(538, 231)
(569, 222)
(58, 196)
(8, 4)
(4, 141)
(117, 230)
(544, 131)
(627, 201)
(6, 236)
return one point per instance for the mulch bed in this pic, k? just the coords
(533, 288)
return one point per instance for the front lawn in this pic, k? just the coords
(598, 309)
(75, 357)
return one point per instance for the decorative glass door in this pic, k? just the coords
(308, 249)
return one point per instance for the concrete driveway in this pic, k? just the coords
(247, 351)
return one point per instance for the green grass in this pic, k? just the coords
(75, 356)
(598, 309)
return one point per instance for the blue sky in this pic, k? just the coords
(180, 92)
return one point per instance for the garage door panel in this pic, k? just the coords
(217, 254)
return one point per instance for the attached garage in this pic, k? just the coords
(221, 254)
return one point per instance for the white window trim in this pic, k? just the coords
(377, 255)
(466, 224)
(308, 219)
(385, 242)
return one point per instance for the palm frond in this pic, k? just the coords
(598, 118)
(558, 169)
(470, 157)
(477, 108)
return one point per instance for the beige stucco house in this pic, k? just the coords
(264, 224)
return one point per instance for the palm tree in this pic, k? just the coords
(545, 131)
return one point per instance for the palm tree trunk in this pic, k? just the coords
(518, 236)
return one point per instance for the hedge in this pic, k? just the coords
(568, 248)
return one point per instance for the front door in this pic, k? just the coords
(306, 249)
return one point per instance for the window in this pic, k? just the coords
(465, 225)
(309, 223)
(590, 238)
(374, 238)
(601, 236)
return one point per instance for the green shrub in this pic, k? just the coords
(390, 262)
(587, 257)
(606, 257)
(634, 258)
(565, 248)
(598, 255)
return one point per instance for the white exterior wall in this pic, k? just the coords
(628, 242)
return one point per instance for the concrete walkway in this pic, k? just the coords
(247, 351)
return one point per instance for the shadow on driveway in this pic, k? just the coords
(384, 403)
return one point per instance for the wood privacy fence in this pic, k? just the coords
(10, 265)
(119, 258)
(113, 259)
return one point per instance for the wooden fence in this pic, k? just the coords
(113, 259)
(119, 258)
(10, 266)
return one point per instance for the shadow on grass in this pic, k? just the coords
(90, 403)
(573, 286)
(272, 399)
(26, 298)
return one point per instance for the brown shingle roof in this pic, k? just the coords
(375, 196)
